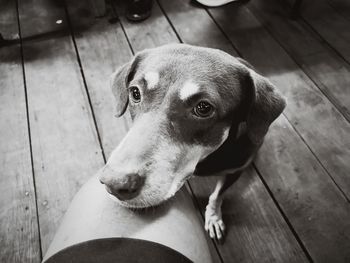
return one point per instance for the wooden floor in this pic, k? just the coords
(57, 125)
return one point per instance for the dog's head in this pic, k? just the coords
(184, 101)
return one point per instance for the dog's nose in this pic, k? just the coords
(126, 188)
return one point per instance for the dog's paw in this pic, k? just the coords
(213, 219)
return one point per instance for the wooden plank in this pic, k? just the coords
(40, 23)
(202, 32)
(341, 6)
(102, 48)
(143, 35)
(329, 139)
(333, 27)
(306, 203)
(99, 7)
(66, 150)
(308, 197)
(330, 72)
(256, 232)
(8, 20)
(19, 236)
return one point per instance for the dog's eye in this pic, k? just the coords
(203, 109)
(135, 94)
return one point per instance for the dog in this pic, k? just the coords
(195, 111)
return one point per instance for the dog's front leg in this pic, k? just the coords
(214, 223)
(213, 215)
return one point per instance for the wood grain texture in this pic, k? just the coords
(8, 20)
(39, 22)
(331, 26)
(341, 6)
(255, 230)
(324, 130)
(98, 7)
(102, 48)
(329, 71)
(65, 146)
(308, 197)
(319, 123)
(19, 236)
(153, 32)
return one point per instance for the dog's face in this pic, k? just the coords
(183, 101)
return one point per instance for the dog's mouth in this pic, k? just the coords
(139, 203)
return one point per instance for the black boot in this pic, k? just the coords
(138, 10)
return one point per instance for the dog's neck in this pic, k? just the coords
(233, 153)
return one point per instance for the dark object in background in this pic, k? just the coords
(138, 10)
(110, 250)
(296, 9)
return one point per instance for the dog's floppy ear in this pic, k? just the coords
(266, 106)
(119, 83)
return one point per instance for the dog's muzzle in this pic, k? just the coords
(149, 166)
